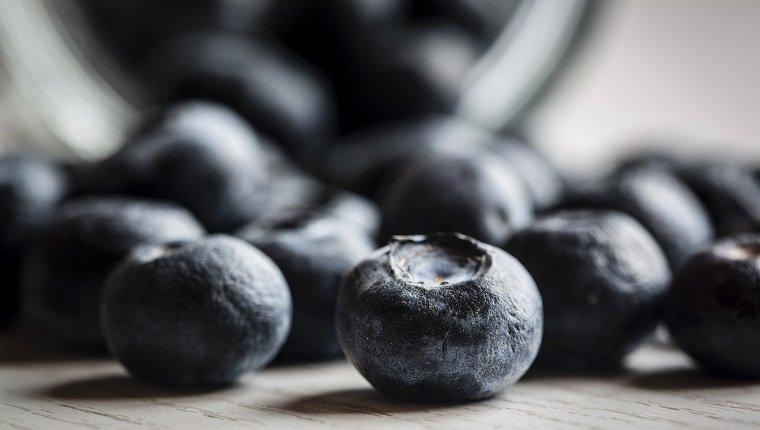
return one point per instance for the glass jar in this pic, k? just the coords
(61, 91)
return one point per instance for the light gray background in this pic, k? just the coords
(688, 69)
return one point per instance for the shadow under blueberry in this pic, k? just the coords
(118, 387)
(359, 401)
(685, 378)
(546, 374)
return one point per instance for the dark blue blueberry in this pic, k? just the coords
(304, 197)
(335, 37)
(479, 197)
(440, 318)
(728, 191)
(412, 72)
(273, 90)
(66, 267)
(364, 160)
(200, 155)
(541, 178)
(659, 201)
(30, 190)
(314, 250)
(601, 277)
(713, 308)
(196, 313)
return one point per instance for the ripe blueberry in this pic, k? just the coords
(728, 191)
(439, 318)
(197, 313)
(314, 252)
(475, 196)
(273, 90)
(541, 178)
(601, 277)
(713, 308)
(67, 264)
(364, 160)
(660, 202)
(413, 71)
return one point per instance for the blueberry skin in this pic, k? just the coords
(475, 196)
(363, 161)
(728, 191)
(713, 307)
(201, 155)
(31, 188)
(296, 195)
(64, 271)
(542, 180)
(335, 36)
(197, 313)
(601, 277)
(274, 90)
(315, 254)
(659, 201)
(439, 318)
(412, 72)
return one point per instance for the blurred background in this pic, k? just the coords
(612, 77)
(682, 70)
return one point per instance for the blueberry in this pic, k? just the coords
(334, 36)
(541, 178)
(439, 318)
(272, 89)
(713, 307)
(659, 201)
(316, 200)
(200, 155)
(314, 251)
(30, 190)
(601, 277)
(64, 271)
(728, 191)
(413, 72)
(365, 159)
(196, 313)
(475, 196)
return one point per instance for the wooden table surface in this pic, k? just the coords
(43, 388)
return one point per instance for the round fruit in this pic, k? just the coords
(474, 196)
(664, 205)
(314, 253)
(713, 308)
(196, 313)
(601, 276)
(198, 154)
(66, 267)
(439, 318)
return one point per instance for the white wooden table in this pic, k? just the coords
(44, 388)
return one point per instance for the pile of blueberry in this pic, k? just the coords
(231, 230)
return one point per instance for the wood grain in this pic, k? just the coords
(44, 388)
